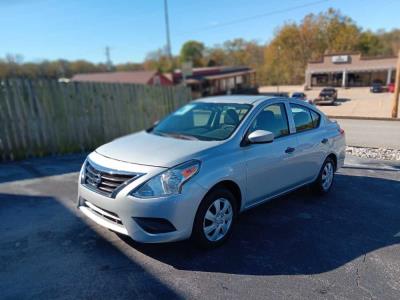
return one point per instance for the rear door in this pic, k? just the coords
(312, 141)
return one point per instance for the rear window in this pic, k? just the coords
(304, 118)
(316, 118)
(201, 117)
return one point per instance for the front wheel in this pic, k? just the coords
(214, 219)
(324, 181)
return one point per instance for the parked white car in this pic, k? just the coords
(196, 170)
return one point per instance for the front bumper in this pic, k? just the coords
(118, 213)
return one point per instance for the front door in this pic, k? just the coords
(271, 167)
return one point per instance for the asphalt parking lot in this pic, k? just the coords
(346, 245)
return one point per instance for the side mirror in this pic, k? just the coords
(260, 137)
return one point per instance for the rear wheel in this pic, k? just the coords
(214, 219)
(325, 178)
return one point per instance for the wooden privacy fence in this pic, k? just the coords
(41, 117)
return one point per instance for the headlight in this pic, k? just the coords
(82, 172)
(169, 182)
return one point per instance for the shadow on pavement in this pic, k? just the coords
(40, 167)
(341, 100)
(46, 252)
(299, 233)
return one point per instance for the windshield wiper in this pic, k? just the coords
(183, 136)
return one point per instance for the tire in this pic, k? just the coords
(324, 181)
(220, 226)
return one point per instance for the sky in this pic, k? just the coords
(81, 29)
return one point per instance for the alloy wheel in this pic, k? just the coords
(327, 176)
(218, 219)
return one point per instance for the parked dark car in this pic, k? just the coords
(275, 94)
(299, 95)
(376, 87)
(326, 96)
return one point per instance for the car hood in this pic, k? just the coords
(153, 150)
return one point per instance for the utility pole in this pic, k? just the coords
(395, 108)
(279, 62)
(108, 59)
(169, 53)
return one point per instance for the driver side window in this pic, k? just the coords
(272, 118)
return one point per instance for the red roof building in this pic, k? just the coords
(138, 77)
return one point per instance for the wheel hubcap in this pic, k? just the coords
(218, 219)
(327, 176)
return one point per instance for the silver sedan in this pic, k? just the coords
(192, 173)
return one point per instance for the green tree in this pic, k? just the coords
(215, 56)
(390, 41)
(159, 60)
(129, 67)
(370, 44)
(340, 31)
(294, 44)
(192, 51)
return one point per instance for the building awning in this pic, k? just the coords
(192, 81)
(349, 70)
(229, 75)
(351, 63)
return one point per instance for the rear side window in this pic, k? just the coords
(316, 118)
(302, 118)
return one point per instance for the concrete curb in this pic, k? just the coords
(352, 161)
(371, 167)
(364, 118)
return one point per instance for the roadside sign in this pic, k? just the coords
(340, 59)
(187, 69)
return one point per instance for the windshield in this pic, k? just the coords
(203, 121)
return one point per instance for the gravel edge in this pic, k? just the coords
(374, 153)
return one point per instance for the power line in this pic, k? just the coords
(250, 18)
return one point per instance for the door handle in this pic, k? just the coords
(290, 150)
(324, 141)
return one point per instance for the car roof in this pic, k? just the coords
(251, 99)
(240, 99)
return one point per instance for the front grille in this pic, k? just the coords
(106, 182)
